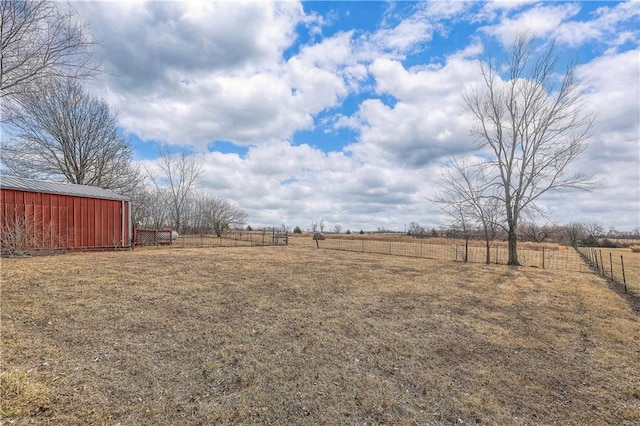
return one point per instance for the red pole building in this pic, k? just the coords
(53, 215)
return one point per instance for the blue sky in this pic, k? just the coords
(348, 111)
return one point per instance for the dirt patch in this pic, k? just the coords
(296, 335)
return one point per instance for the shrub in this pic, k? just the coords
(21, 236)
(609, 244)
(590, 241)
(297, 230)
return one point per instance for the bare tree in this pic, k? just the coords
(575, 232)
(533, 126)
(218, 214)
(148, 208)
(531, 231)
(613, 232)
(593, 233)
(177, 175)
(228, 214)
(66, 133)
(157, 210)
(461, 214)
(468, 196)
(337, 229)
(40, 41)
(416, 230)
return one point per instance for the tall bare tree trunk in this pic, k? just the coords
(177, 179)
(488, 255)
(513, 247)
(533, 125)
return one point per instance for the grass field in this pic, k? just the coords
(612, 260)
(296, 335)
(538, 255)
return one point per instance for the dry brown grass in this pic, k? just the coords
(611, 260)
(295, 335)
(539, 255)
(442, 241)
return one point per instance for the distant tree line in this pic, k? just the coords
(174, 200)
(574, 234)
(200, 213)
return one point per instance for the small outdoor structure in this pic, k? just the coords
(318, 237)
(52, 215)
(154, 237)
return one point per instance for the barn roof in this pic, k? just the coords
(31, 185)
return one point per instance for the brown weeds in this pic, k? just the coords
(295, 335)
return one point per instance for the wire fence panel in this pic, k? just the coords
(620, 265)
(229, 239)
(555, 257)
(152, 237)
(617, 264)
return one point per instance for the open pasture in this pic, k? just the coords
(610, 262)
(230, 239)
(539, 255)
(296, 335)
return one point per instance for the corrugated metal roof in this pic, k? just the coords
(32, 185)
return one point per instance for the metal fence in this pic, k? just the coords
(619, 265)
(553, 257)
(230, 239)
(612, 264)
(152, 237)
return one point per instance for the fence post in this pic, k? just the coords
(466, 249)
(611, 265)
(602, 264)
(542, 257)
(624, 278)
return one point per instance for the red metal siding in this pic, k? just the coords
(65, 221)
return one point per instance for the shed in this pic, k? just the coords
(52, 215)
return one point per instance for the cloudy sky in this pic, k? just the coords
(347, 112)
